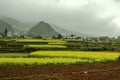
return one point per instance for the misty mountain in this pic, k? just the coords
(23, 27)
(42, 29)
(19, 27)
(66, 32)
(4, 25)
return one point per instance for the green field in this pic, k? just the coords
(13, 55)
(45, 46)
(41, 40)
(57, 57)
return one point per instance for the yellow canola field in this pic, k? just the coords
(61, 57)
(77, 54)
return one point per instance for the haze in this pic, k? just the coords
(92, 17)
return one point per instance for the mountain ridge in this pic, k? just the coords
(42, 29)
(4, 25)
(66, 32)
(22, 28)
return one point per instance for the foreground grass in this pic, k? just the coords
(58, 57)
(41, 61)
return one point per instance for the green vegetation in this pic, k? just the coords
(31, 45)
(42, 29)
(45, 46)
(39, 61)
(41, 40)
(5, 27)
(13, 55)
(7, 79)
(54, 51)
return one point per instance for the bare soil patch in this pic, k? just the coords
(97, 71)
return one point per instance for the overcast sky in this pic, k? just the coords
(97, 17)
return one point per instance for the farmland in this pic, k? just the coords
(96, 71)
(31, 45)
(57, 57)
(53, 59)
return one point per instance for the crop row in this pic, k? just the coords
(42, 61)
(40, 40)
(76, 54)
(58, 57)
(45, 46)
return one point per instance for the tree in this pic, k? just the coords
(54, 37)
(22, 36)
(59, 36)
(72, 35)
(38, 37)
(6, 32)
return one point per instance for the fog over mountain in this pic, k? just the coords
(19, 27)
(6, 26)
(92, 17)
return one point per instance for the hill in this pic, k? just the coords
(19, 27)
(66, 32)
(24, 27)
(4, 25)
(42, 29)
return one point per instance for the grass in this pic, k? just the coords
(13, 55)
(40, 61)
(41, 40)
(45, 46)
(53, 57)
(57, 57)
(56, 43)
(6, 79)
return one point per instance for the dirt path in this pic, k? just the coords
(97, 71)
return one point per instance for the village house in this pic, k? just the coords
(104, 39)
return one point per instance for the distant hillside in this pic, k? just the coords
(66, 32)
(19, 27)
(42, 29)
(24, 27)
(4, 25)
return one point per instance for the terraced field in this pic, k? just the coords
(57, 57)
(35, 59)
